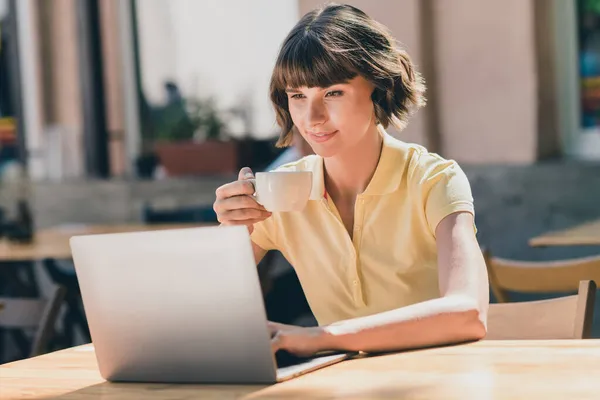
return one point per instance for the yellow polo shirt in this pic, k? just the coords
(391, 261)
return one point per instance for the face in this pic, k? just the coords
(334, 119)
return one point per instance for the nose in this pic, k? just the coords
(317, 114)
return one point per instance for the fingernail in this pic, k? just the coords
(249, 175)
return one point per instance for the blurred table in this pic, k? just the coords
(54, 242)
(587, 234)
(550, 369)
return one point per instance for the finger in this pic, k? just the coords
(276, 343)
(244, 214)
(248, 222)
(237, 203)
(278, 326)
(237, 188)
(245, 173)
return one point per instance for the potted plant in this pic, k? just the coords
(189, 138)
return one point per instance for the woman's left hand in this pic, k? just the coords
(298, 340)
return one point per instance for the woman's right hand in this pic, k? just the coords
(236, 205)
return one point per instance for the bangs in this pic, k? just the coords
(305, 61)
(334, 44)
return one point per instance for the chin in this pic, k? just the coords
(325, 151)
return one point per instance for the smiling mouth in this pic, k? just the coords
(322, 134)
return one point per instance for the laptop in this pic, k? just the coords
(180, 306)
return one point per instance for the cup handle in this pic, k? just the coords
(255, 194)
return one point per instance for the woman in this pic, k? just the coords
(387, 255)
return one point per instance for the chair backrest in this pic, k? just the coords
(36, 314)
(568, 317)
(539, 277)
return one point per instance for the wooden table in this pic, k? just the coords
(54, 242)
(565, 369)
(582, 235)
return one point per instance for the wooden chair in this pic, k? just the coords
(539, 277)
(568, 317)
(38, 314)
(74, 317)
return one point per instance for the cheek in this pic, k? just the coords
(351, 116)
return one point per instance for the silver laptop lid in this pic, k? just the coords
(175, 306)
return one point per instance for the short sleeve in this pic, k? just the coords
(445, 190)
(265, 234)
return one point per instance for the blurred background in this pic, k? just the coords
(134, 111)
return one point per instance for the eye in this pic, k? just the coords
(297, 96)
(334, 93)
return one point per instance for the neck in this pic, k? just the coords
(349, 173)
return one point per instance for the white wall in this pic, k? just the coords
(487, 82)
(215, 48)
(156, 46)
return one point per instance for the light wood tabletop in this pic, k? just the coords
(587, 234)
(561, 369)
(54, 242)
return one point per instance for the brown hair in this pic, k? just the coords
(334, 44)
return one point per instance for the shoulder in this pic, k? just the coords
(416, 162)
(423, 165)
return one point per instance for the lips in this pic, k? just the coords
(321, 136)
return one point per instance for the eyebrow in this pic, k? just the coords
(292, 90)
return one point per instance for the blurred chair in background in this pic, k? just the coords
(568, 317)
(39, 314)
(511, 279)
(539, 277)
(74, 316)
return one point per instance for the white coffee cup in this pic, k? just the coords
(282, 191)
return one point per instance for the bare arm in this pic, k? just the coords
(459, 315)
